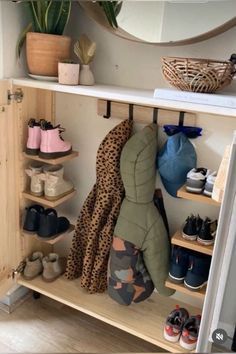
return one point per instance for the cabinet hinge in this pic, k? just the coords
(18, 270)
(16, 96)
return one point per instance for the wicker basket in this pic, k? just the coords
(197, 75)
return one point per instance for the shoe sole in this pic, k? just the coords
(208, 194)
(205, 243)
(34, 152)
(173, 339)
(54, 155)
(59, 196)
(187, 346)
(188, 237)
(176, 280)
(194, 288)
(36, 194)
(194, 190)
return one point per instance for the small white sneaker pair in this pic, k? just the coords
(200, 180)
(51, 266)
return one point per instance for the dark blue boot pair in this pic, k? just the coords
(190, 268)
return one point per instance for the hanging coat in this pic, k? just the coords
(139, 257)
(93, 235)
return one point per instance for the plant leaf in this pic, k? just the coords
(21, 39)
(110, 9)
(37, 26)
(52, 16)
(64, 17)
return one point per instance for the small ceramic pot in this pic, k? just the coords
(68, 74)
(86, 76)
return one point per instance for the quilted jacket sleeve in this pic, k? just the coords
(156, 253)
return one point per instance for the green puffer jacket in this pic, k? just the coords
(139, 256)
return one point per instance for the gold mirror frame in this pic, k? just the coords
(95, 12)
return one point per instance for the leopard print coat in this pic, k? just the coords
(92, 239)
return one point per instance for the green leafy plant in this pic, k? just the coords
(111, 10)
(45, 17)
(85, 49)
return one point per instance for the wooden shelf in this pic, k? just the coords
(178, 240)
(181, 288)
(201, 198)
(51, 241)
(124, 94)
(144, 320)
(49, 203)
(59, 160)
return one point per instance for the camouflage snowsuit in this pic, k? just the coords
(139, 257)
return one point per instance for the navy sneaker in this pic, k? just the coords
(207, 232)
(179, 264)
(190, 228)
(197, 274)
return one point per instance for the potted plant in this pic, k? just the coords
(68, 72)
(85, 50)
(45, 44)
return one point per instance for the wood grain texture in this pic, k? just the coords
(51, 241)
(181, 288)
(178, 240)
(45, 326)
(59, 160)
(144, 320)
(49, 203)
(200, 198)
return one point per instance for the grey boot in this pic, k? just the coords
(56, 186)
(53, 267)
(33, 266)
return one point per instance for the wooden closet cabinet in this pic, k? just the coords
(144, 320)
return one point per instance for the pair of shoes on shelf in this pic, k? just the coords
(45, 222)
(182, 328)
(203, 231)
(48, 181)
(190, 268)
(50, 266)
(200, 180)
(45, 140)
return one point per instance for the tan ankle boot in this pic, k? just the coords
(55, 185)
(53, 267)
(33, 266)
(36, 184)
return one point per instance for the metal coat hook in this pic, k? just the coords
(155, 115)
(108, 114)
(181, 118)
(131, 111)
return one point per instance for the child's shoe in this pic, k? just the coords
(53, 267)
(174, 324)
(33, 266)
(36, 184)
(196, 179)
(34, 137)
(189, 336)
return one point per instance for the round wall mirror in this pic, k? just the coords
(169, 22)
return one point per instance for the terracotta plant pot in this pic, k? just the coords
(44, 51)
(68, 74)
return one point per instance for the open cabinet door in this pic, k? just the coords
(10, 247)
(224, 249)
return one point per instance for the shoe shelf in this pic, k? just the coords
(200, 294)
(51, 240)
(59, 160)
(144, 320)
(178, 240)
(201, 198)
(49, 203)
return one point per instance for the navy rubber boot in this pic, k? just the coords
(179, 264)
(197, 274)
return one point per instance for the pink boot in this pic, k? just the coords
(34, 138)
(52, 145)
